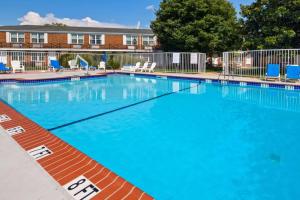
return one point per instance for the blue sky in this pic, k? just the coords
(99, 12)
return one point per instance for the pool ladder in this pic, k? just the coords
(224, 75)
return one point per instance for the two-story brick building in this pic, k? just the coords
(80, 39)
(34, 46)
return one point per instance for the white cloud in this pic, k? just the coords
(138, 25)
(151, 8)
(33, 18)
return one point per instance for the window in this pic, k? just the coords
(16, 37)
(39, 57)
(131, 40)
(17, 56)
(148, 40)
(77, 38)
(95, 39)
(37, 37)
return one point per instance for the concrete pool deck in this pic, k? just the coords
(20, 174)
(46, 75)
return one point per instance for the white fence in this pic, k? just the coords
(254, 63)
(166, 62)
(31, 60)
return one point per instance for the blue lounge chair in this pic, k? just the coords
(273, 71)
(85, 66)
(3, 68)
(55, 65)
(292, 72)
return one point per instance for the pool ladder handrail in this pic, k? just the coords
(224, 75)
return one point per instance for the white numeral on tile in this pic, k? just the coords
(208, 81)
(4, 118)
(243, 84)
(263, 85)
(162, 77)
(81, 188)
(75, 79)
(15, 130)
(39, 152)
(289, 87)
(224, 82)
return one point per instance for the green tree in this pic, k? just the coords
(209, 26)
(271, 24)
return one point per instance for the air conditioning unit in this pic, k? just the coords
(95, 46)
(37, 45)
(17, 45)
(77, 46)
(148, 48)
(131, 47)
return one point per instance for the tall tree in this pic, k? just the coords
(208, 26)
(271, 24)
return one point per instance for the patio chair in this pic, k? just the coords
(131, 68)
(273, 71)
(292, 72)
(134, 68)
(54, 64)
(73, 64)
(102, 65)
(151, 68)
(5, 69)
(16, 66)
(142, 68)
(85, 66)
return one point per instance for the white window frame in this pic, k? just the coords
(39, 39)
(77, 38)
(18, 38)
(97, 37)
(18, 56)
(40, 57)
(147, 41)
(130, 39)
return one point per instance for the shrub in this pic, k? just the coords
(113, 63)
(63, 59)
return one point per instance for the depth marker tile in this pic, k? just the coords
(39, 152)
(4, 118)
(81, 188)
(15, 130)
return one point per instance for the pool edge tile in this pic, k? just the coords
(112, 185)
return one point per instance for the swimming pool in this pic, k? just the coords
(175, 138)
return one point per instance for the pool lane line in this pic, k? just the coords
(121, 108)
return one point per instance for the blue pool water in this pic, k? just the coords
(205, 142)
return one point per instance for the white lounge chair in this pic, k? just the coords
(144, 67)
(151, 68)
(73, 64)
(131, 68)
(16, 66)
(102, 65)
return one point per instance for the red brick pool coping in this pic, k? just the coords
(66, 163)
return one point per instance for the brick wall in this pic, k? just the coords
(60, 40)
(57, 40)
(2, 37)
(114, 42)
(27, 39)
(86, 42)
